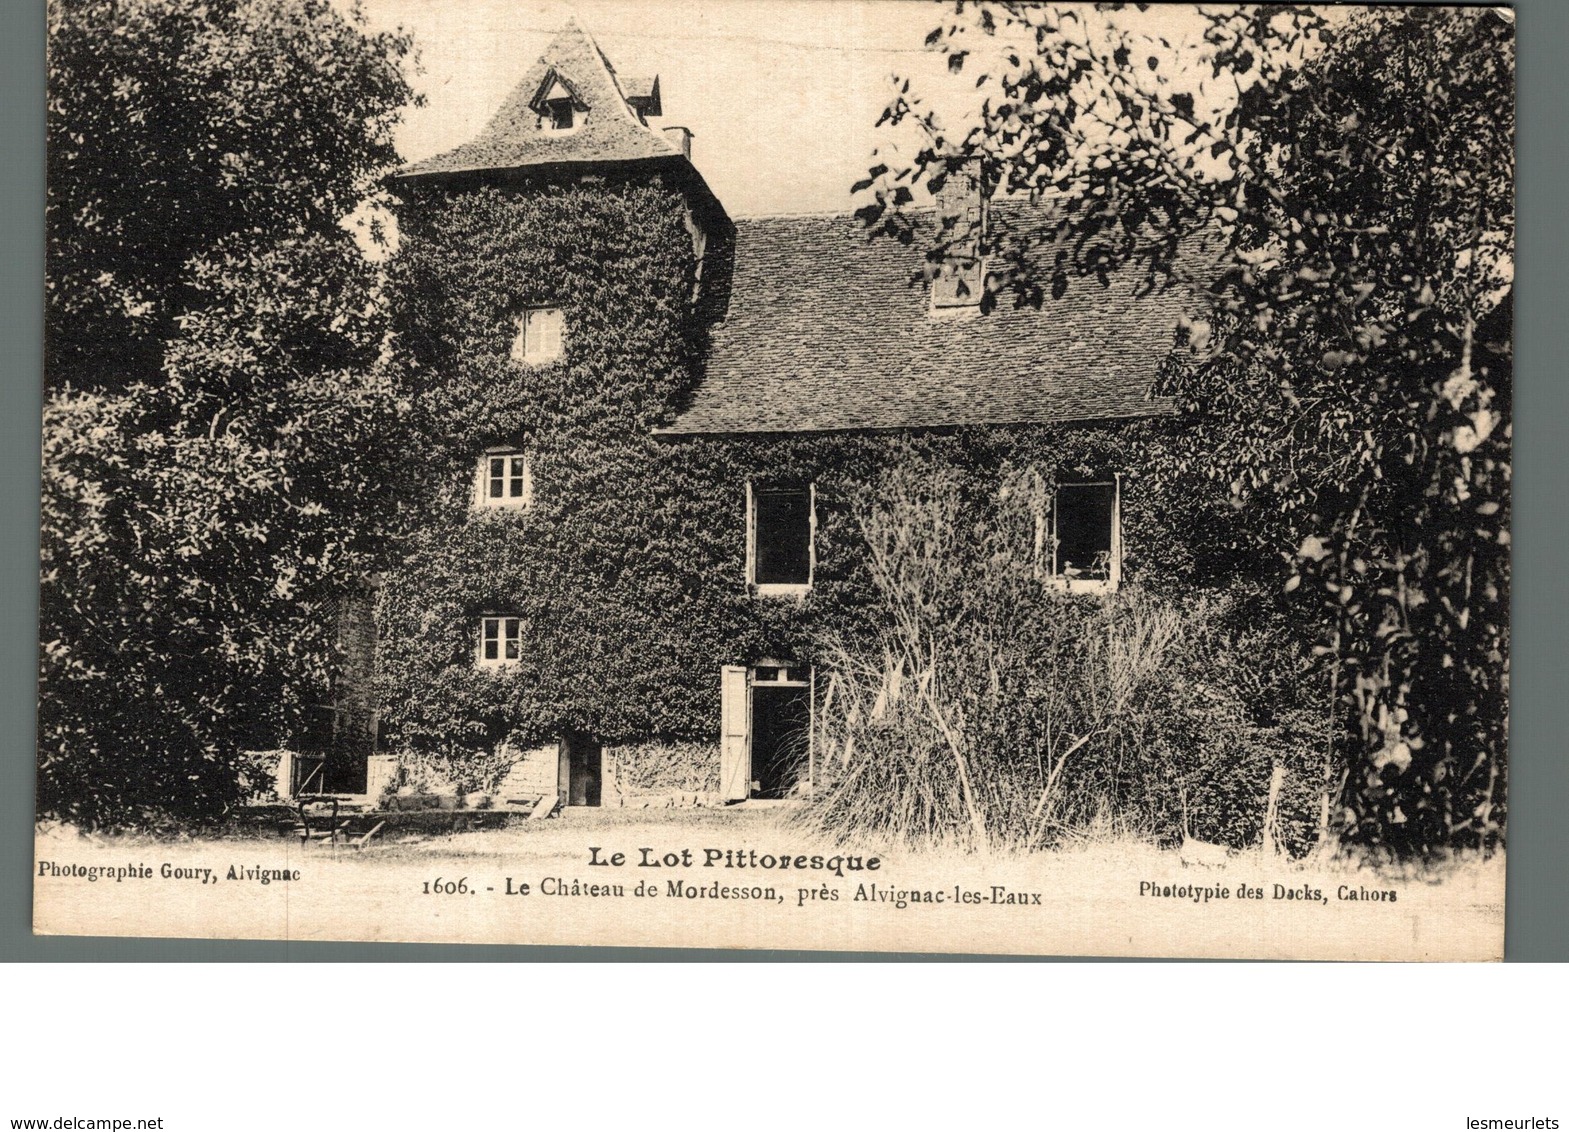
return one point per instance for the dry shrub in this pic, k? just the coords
(990, 708)
(675, 765)
(422, 772)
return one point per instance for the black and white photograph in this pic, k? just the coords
(836, 475)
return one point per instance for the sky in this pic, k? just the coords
(781, 95)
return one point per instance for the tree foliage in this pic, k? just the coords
(175, 124)
(1339, 190)
(220, 429)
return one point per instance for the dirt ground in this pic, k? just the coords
(565, 836)
(553, 882)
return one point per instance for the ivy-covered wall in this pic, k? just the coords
(628, 567)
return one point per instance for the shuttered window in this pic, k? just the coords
(541, 336)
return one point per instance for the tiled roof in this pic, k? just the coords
(825, 332)
(643, 91)
(609, 131)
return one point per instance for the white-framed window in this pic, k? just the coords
(781, 536)
(500, 641)
(1080, 541)
(504, 478)
(541, 336)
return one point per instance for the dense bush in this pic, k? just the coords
(655, 768)
(990, 708)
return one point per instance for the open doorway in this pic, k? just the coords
(580, 771)
(781, 726)
(331, 754)
(765, 730)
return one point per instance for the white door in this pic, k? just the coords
(735, 746)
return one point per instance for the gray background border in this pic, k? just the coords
(1538, 911)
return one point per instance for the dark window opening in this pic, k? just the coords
(560, 112)
(1084, 517)
(783, 537)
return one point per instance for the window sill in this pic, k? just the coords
(1100, 586)
(780, 589)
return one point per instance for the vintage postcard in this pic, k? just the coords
(845, 475)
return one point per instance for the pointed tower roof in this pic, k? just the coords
(606, 128)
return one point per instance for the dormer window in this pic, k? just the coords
(642, 94)
(540, 337)
(960, 281)
(557, 103)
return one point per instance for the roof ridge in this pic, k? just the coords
(812, 213)
(920, 209)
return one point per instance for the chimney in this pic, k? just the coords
(681, 138)
(961, 203)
